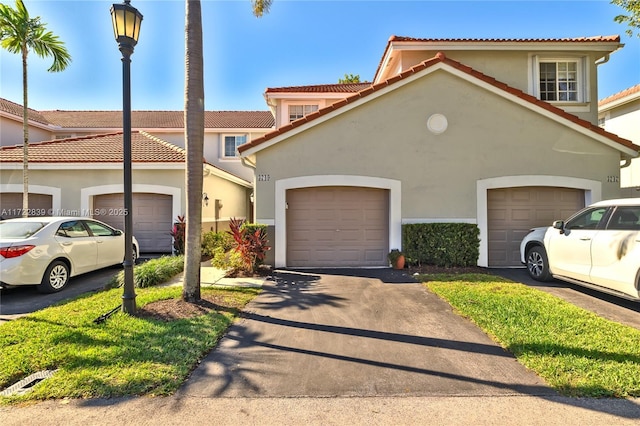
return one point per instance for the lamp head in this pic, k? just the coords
(126, 24)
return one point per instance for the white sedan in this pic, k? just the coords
(598, 247)
(47, 251)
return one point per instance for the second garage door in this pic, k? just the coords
(152, 221)
(513, 211)
(337, 226)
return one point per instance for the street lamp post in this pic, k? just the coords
(126, 27)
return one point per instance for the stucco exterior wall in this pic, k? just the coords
(623, 121)
(76, 187)
(11, 133)
(515, 69)
(213, 150)
(232, 202)
(487, 137)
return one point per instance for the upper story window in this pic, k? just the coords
(560, 80)
(299, 111)
(231, 144)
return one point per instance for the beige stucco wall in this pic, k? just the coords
(73, 190)
(623, 121)
(72, 183)
(11, 133)
(515, 69)
(233, 203)
(487, 137)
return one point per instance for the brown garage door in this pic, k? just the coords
(11, 204)
(152, 221)
(337, 226)
(513, 211)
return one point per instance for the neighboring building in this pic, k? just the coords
(499, 133)
(83, 177)
(620, 114)
(76, 166)
(224, 130)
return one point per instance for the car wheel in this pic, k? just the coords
(537, 264)
(55, 278)
(134, 255)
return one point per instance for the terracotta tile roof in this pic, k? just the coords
(439, 58)
(479, 41)
(106, 148)
(158, 119)
(16, 109)
(321, 88)
(619, 95)
(610, 38)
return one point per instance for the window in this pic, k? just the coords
(99, 230)
(231, 144)
(560, 79)
(299, 111)
(588, 219)
(73, 229)
(626, 218)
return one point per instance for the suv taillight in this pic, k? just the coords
(14, 251)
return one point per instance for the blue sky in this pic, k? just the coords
(299, 42)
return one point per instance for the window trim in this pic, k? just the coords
(223, 151)
(303, 105)
(583, 81)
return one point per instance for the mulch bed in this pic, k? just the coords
(174, 309)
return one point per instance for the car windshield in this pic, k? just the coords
(20, 229)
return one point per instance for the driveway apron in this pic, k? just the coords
(355, 333)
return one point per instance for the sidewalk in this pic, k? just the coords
(475, 410)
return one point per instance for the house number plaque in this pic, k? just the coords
(264, 178)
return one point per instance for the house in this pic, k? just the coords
(75, 167)
(620, 114)
(83, 177)
(499, 133)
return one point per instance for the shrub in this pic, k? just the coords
(214, 240)
(229, 261)
(441, 244)
(151, 273)
(178, 234)
(251, 242)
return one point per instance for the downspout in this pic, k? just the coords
(604, 60)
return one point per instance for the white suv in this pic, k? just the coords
(598, 247)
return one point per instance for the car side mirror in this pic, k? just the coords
(559, 225)
(117, 232)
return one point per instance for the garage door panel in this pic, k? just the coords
(11, 204)
(511, 212)
(337, 226)
(152, 218)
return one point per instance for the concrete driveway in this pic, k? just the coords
(356, 333)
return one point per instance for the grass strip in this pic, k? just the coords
(125, 355)
(575, 351)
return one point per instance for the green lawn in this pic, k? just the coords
(573, 350)
(124, 355)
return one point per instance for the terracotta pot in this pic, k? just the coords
(399, 263)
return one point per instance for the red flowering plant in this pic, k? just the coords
(178, 234)
(251, 242)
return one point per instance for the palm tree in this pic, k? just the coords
(194, 141)
(20, 33)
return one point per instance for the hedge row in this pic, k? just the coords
(441, 244)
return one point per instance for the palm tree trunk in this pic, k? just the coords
(194, 143)
(25, 131)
